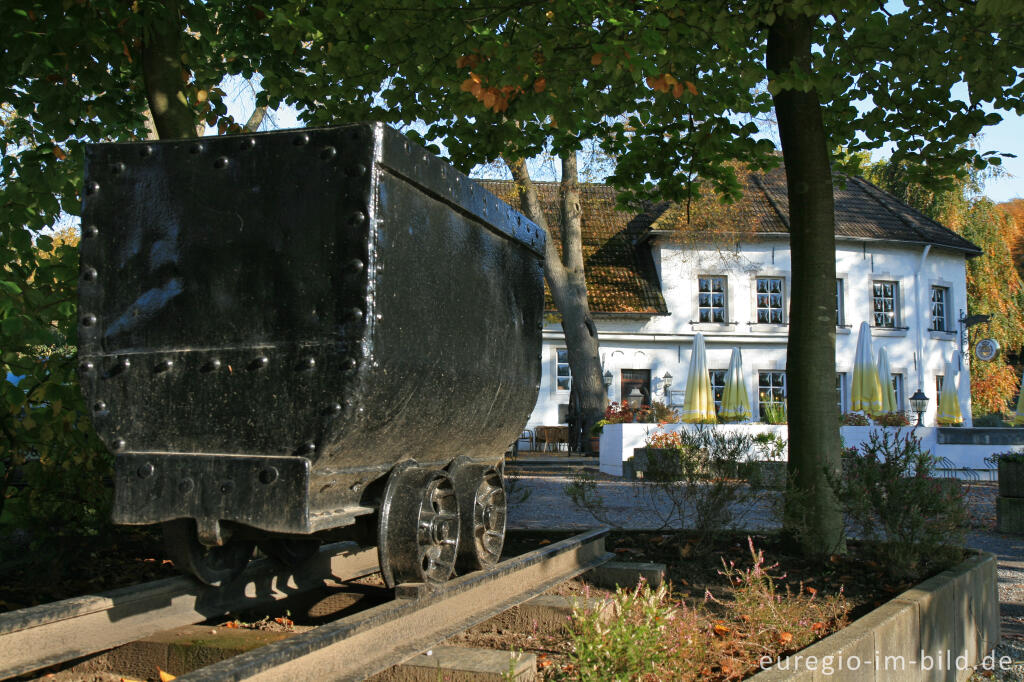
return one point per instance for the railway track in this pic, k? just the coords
(350, 648)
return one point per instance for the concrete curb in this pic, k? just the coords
(937, 630)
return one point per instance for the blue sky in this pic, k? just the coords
(1008, 137)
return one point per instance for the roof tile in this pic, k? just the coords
(620, 272)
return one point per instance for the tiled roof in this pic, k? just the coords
(863, 212)
(620, 272)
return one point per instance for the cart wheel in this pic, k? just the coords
(213, 566)
(418, 531)
(483, 510)
(291, 552)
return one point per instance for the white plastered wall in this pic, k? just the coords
(662, 343)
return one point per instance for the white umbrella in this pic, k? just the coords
(1018, 415)
(735, 403)
(866, 394)
(699, 403)
(949, 400)
(889, 403)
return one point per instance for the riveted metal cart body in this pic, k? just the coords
(269, 323)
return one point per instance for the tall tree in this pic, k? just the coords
(663, 84)
(71, 73)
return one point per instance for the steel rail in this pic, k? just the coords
(356, 647)
(48, 634)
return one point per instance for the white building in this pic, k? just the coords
(654, 283)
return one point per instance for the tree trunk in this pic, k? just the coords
(164, 76)
(568, 287)
(256, 120)
(812, 516)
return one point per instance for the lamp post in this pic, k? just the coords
(666, 381)
(606, 379)
(635, 398)
(919, 403)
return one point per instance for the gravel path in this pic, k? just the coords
(539, 502)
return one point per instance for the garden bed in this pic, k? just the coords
(726, 613)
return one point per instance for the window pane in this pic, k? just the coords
(711, 300)
(939, 298)
(769, 300)
(771, 391)
(839, 301)
(717, 386)
(883, 304)
(563, 377)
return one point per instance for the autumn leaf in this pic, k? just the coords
(540, 85)
(721, 630)
(165, 676)
(544, 542)
(817, 627)
(231, 625)
(597, 59)
(811, 591)
(785, 637)
(691, 87)
(59, 153)
(677, 90)
(202, 95)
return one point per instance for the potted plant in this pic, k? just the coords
(1011, 472)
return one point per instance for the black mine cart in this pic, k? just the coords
(289, 333)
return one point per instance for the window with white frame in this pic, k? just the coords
(769, 300)
(897, 386)
(563, 378)
(940, 309)
(711, 298)
(771, 393)
(717, 386)
(841, 392)
(840, 312)
(885, 304)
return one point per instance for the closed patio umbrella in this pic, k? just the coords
(1018, 414)
(699, 403)
(735, 403)
(889, 403)
(949, 401)
(866, 393)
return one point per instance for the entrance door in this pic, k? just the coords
(636, 378)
